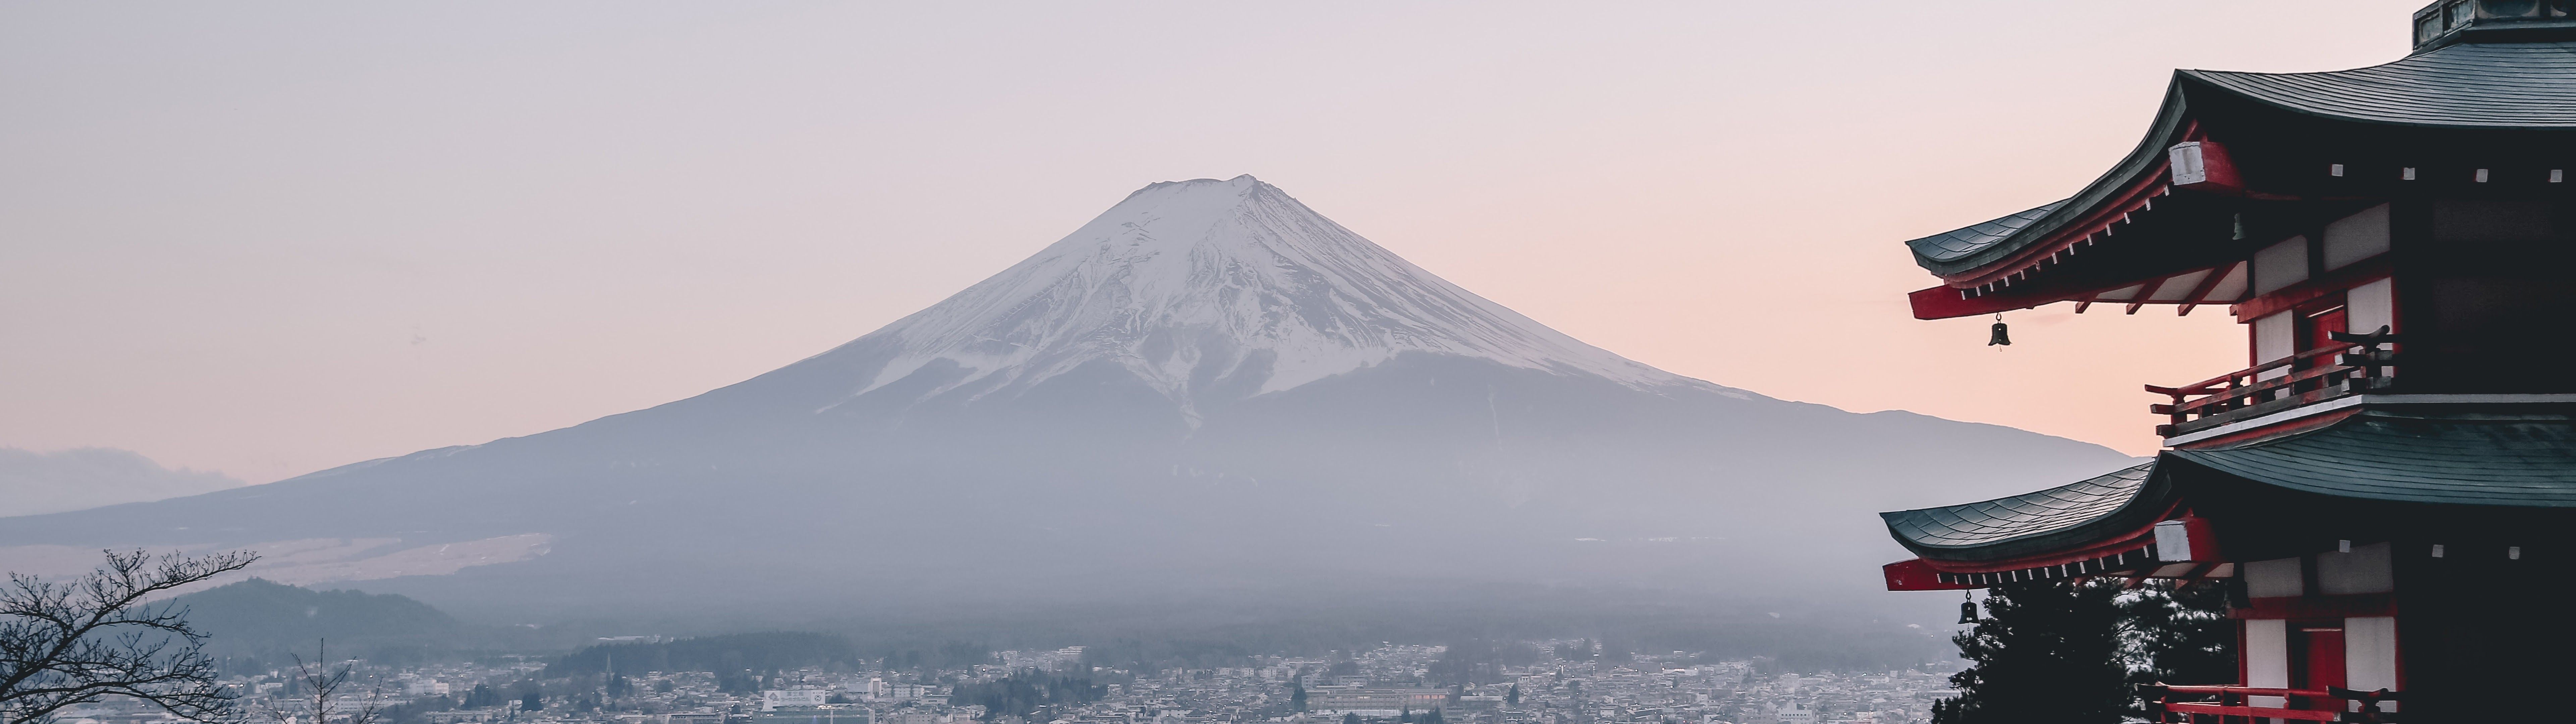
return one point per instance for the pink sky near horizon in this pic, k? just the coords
(269, 239)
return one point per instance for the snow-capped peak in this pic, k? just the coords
(1185, 278)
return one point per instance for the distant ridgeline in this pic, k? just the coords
(262, 620)
(760, 652)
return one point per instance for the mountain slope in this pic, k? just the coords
(1209, 386)
(261, 618)
(32, 482)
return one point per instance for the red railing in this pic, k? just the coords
(2230, 705)
(2353, 363)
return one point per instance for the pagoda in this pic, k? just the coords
(2388, 488)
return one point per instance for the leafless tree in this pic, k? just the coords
(323, 684)
(100, 636)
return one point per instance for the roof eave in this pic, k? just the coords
(2153, 500)
(2201, 79)
(2146, 159)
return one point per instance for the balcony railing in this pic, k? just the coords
(2230, 705)
(2352, 364)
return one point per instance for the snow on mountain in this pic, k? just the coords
(1211, 280)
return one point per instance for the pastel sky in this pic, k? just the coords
(271, 238)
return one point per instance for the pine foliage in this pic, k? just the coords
(2179, 635)
(2044, 652)
(1024, 691)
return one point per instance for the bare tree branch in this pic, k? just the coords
(324, 684)
(98, 637)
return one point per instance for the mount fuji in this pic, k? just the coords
(1217, 287)
(1209, 386)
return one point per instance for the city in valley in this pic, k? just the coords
(1545, 682)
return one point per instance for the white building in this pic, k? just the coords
(771, 699)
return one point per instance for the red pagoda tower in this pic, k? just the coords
(2388, 488)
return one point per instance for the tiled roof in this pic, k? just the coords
(2524, 461)
(2464, 86)
(1988, 529)
(2470, 85)
(1957, 243)
(2519, 461)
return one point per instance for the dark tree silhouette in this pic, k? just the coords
(1026, 690)
(2044, 652)
(96, 637)
(2180, 635)
(482, 696)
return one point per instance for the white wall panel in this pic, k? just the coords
(2281, 265)
(2368, 306)
(2273, 340)
(2267, 658)
(2356, 237)
(2274, 578)
(2370, 654)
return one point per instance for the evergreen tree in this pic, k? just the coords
(1297, 695)
(533, 700)
(1024, 691)
(1350, 719)
(742, 683)
(2179, 635)
(2045, 652)
(1513, 697)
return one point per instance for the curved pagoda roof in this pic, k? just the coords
(2468, 86)
(2067, 515)
(1958, 243)
(2524, 461)
(2471, 85)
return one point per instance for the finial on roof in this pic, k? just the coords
(2448, 22)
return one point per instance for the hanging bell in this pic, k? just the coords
(1968, 610)
(1999, 336)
